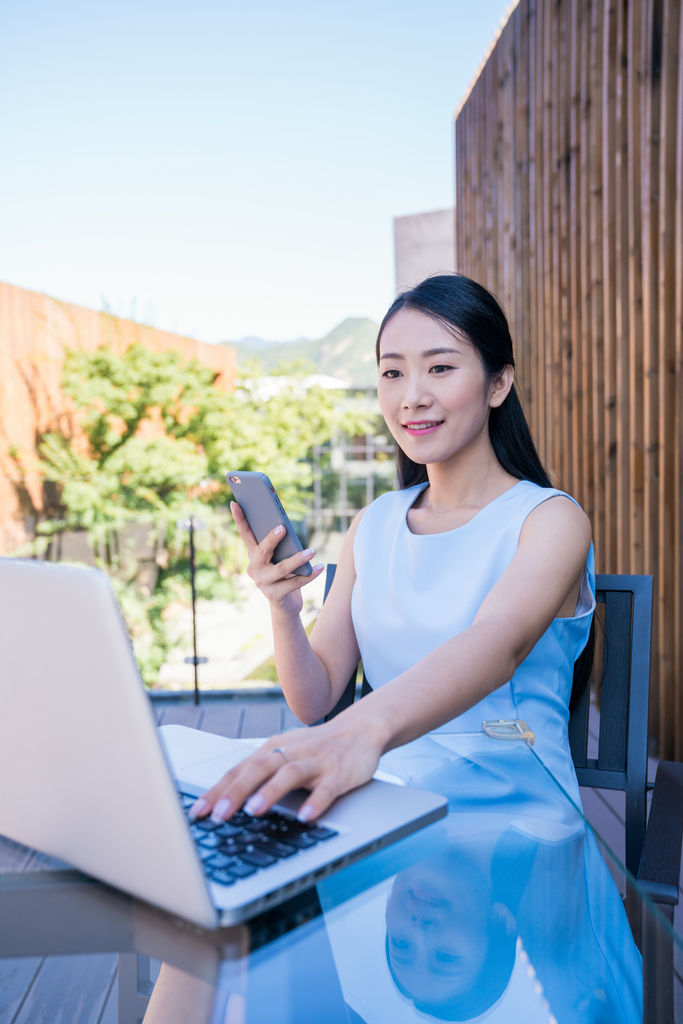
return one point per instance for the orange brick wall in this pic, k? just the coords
(35, 331)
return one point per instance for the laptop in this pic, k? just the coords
(86, 776)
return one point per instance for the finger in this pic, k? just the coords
(290, 776)
(273, 572)
(287, 566)
(204, 804)
(270, 542)
(315, 571)
(238, 785)
(243, 528)
(323, 795)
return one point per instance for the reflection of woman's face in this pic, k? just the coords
(436, 931)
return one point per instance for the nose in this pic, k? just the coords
(416, 394)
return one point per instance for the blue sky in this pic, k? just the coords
(222, 168)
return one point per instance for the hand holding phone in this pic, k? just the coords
(263, 511)
(277, 564)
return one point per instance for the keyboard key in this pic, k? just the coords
(278, 850)
(204, 854)
(228, 829)
(321, 834)
(219, 860)
(240, 818)
(291, 824)
(222, 877)
(300, 842)
(260, 825)
(260, 860)
(207, 825)
(233, 847)
(240, 869)
(209, 841)
(187, 800)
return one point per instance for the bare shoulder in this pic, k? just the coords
(558, 518)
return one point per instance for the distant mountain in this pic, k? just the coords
(347, 352)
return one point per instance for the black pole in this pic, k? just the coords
(194, 611)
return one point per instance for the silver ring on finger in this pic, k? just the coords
(281, 750)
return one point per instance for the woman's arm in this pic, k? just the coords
(312, 673)
(543, 579)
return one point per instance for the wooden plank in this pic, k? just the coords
(13, 856)
(621, 258)
(678, 414)
(69, 988)
(224, 719)
(597, 271)
(576, 277)
(110, 1013)
(159, 710)
(289, 719)
(16, 977)
(637, 184)
(261, 719)
(189, 715)
(609, 141)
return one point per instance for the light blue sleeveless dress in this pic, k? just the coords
(415, 592)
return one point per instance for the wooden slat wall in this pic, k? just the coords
(569, 207)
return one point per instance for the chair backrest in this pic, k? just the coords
(349, 695)
(624, 702)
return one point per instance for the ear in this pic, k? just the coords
(501, 386)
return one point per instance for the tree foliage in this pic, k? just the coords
(154, 441)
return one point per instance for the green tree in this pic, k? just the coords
(154, 440)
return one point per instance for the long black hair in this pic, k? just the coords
(466, 308)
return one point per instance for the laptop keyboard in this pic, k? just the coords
(244, 845)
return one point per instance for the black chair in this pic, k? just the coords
(624, 701)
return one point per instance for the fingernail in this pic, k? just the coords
(278, 530)
(318, 567)
(221, 809)
(199, 807)
(255, 804)
(308, 552)
(306, 813)
(232, 506)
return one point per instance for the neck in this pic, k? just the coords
(472, 476)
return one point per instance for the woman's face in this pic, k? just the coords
(433, 391)
(436, 932)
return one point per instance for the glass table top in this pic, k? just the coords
(506, 910)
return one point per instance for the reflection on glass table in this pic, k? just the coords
(505, 911)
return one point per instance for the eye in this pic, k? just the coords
(440, 368)
(401, 943)
(391, 374)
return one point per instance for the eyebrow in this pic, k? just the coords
(425, 355)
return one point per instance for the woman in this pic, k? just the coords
(468, 593)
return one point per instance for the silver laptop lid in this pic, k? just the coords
(82, 773)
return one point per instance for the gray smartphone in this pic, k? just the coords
(259, 501)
